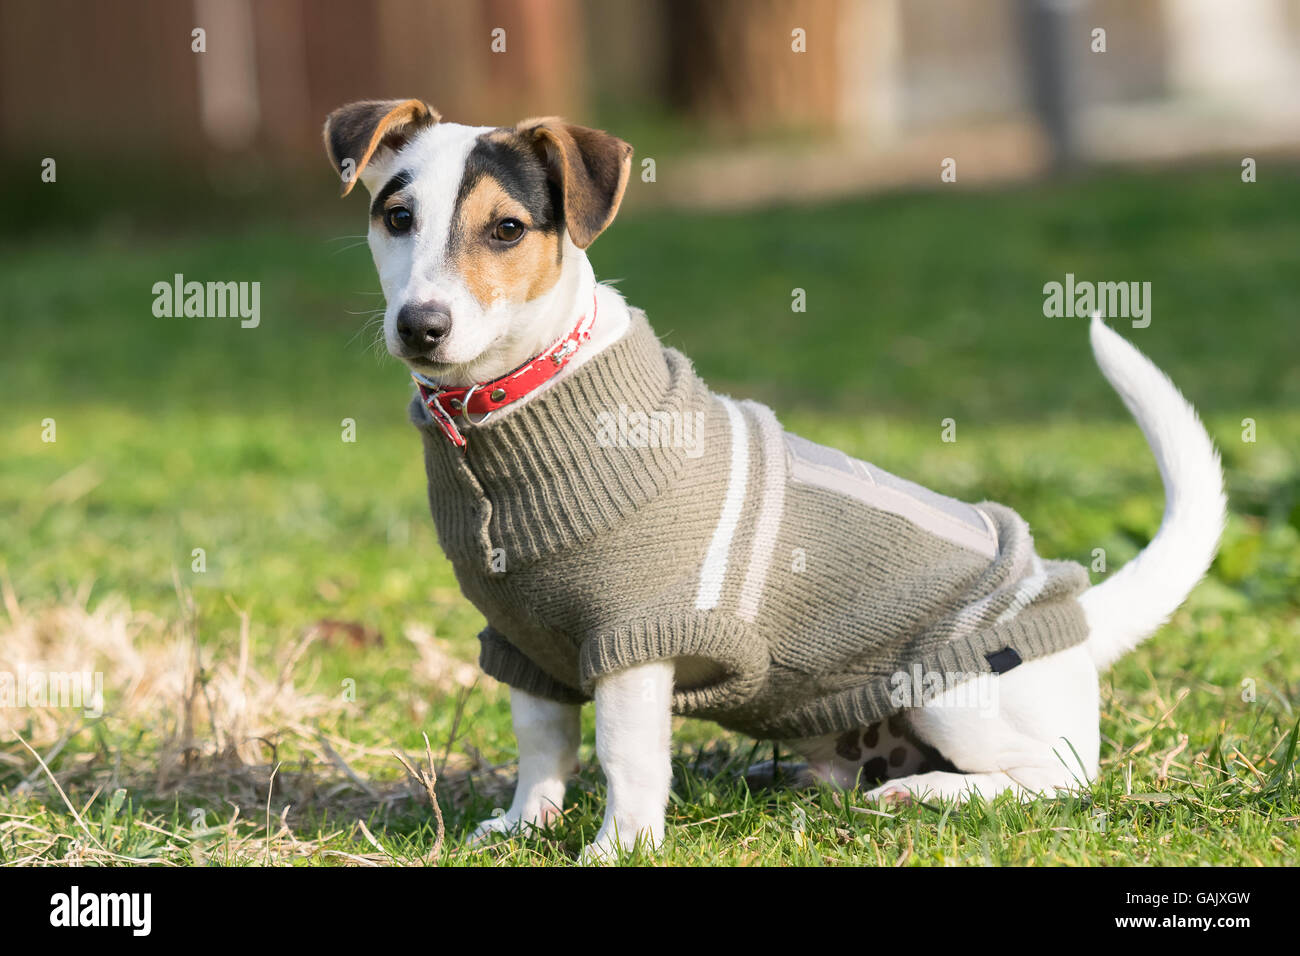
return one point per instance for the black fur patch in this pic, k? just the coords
(399, 181)
(523, 177)
(352, 127)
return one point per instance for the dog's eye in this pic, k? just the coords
(508, 230)
(398, 219)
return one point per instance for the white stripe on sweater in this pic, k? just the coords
(770, 511)
(1029, 589)
(714, 569)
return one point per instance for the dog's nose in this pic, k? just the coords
(422, 326)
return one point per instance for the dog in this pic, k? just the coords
(638, 576)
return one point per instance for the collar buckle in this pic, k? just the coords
(464, 404)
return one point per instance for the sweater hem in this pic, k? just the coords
(502, 661)
(879, 697)
(728, 642)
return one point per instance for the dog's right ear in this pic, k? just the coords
(354, 133)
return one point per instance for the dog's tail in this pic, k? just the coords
(1126, 609)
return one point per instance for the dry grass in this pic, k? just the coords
(185, 724)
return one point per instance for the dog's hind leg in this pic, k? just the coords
(1033, 732)
(860, 758)
(548, 734)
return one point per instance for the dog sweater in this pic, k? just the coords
(627, 514)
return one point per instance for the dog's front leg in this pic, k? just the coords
(633, 732)
(548, 734)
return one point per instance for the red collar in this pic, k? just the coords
(484, 398)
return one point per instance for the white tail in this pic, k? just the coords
(1130, 606)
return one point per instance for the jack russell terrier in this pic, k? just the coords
(633, 538)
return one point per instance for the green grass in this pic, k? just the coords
(176, 434)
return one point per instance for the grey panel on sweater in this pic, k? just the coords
(950, 519)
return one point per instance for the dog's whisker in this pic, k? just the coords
(359, 332)
(355, 245)
(379, 347)
(375, 322)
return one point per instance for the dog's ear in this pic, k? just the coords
(590, 166)
(353, 133)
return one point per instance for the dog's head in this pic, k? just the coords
(472, 228)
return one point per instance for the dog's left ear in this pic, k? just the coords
(353, 133)
(591, 168)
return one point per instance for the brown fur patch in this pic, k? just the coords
(592, 167)
(516, 273)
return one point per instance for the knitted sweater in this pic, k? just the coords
(627, 514)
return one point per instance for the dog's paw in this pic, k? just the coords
(891, 795)
(612, 841)
(510, 823)
(506, 824)
(941, 785)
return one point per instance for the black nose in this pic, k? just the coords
(422, 326)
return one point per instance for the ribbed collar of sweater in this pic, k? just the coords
(549, 472)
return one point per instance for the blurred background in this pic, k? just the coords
(785, 98)
(795, 145)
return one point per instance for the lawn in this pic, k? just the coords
(255, 691)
